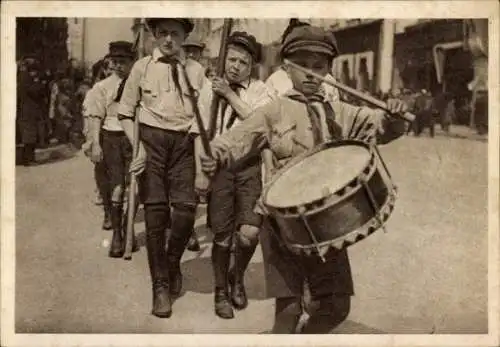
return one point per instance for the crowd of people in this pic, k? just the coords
(48, 106)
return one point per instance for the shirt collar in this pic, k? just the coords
(245, 84)
(116, 77)
(157, 54)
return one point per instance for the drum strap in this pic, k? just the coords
(334, 128)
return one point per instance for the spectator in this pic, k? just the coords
(64, 111)
(30, 95)
(424, 112)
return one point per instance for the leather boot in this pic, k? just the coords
(193, 244)
(236, 277)
(106, 223)
(220, 264)
(117, 247)
(156, 218)
(174, 254)
(162, 306)
(182, 226)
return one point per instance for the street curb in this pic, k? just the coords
(62, 151)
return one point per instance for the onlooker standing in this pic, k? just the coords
(64, 111)
(424, 112)
(30, 94)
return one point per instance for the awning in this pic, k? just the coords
(439, 52)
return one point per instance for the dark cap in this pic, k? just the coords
(121, 49)
(310, 39)
(186, 23)
(248, 42)
(193, 43)
(292, 24)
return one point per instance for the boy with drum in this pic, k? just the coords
(289, 126)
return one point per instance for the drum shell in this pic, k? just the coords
(334, 221)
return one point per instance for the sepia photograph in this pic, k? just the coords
(195, 174)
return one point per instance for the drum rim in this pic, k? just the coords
(327, 145)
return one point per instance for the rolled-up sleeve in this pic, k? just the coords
(95, 105)
(364, 123)
(251, 135)
(131, 92)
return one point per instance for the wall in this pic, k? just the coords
(413, 51)
(99, 32)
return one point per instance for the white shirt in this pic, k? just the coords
(150, 86)
(254, 93)
(100, 102)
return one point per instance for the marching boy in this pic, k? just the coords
(234, 191)
(289, 126)
(110, 145)
(158, 86)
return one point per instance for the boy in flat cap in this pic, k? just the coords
(158, 86)
(289, 126)
(109, 144)
(235, 190)
(280, 82)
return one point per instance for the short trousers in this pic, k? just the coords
(169, 173)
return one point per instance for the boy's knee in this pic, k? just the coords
(248, 235)
(117, 193)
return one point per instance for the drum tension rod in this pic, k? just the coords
(373, 203)
(301, 211)
(377, 152)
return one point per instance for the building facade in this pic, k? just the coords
(88, 38)
(364, 44)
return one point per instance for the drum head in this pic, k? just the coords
(318, 175)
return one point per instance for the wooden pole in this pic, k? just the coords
(129, 238)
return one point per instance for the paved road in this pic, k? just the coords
(427, 274)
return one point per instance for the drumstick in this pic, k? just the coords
(409, 117)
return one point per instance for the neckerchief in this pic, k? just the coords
(314, 101)
(314, 116)
(175, 74)
(120, 90)
(236, 87)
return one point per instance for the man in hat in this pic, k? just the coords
(193, 49)
(289, 126)
(280, 82)
(157, 91)
(234, 191)
(110, 145)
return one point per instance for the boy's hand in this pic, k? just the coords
(138, 163)
(221, 87)
(208, 164)
(96, 154)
